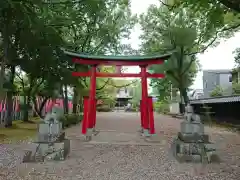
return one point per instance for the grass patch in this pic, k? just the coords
(19, 131)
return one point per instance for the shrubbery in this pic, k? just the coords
(104, 108)
(161, 107)
(218, 91)
(236, 88)
(70, 119)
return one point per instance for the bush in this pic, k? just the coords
(218, 91)
(161, 107)
(70, 119)
(104, 108)
(236, 88)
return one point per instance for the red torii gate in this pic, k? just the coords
(146, 105)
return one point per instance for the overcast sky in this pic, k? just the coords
(220, 57)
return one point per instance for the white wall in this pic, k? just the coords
(224, 80)
(123, 94)
(174, 108)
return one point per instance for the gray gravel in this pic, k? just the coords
(124, 162)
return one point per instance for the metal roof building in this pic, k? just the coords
(223, 99)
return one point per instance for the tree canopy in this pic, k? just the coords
(33, 33)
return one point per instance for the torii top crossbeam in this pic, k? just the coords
(142, 61)
(117, 60)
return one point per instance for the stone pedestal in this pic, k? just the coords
(193, 152)
(193, 137)
(191, 144)
(191, 128)
(45, 152)
(51, 143)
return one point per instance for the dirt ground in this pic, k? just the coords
(119, 152)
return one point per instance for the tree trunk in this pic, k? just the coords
(81, 103)
(25, 108)
(8, 122)
(184, 99)
(6, 59)
(75, 99)
(2, 79)
(61, 92)
(10, 92)
(185, 96)
(39, 111)
(65, 100)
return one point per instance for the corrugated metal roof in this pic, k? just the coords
(226, 99)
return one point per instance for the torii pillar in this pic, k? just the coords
(91, 114)
(144, 102)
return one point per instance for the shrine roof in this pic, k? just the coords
(117, 58)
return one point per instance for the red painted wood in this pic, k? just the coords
(144, 97)
(155, 75)
(117, 62)
(85, 112)
(151, 116)
(118, 69)
(95, 113)
(92, 94)
(102, 74)
(141, 114)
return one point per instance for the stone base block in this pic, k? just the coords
(209, 158)
(45, 128)
(194, 152)
(146, 133)
(57, 151)
(95, 132)
(30, 156)
(182, 158)
(46, 138)
(189, 138)
(140, 130)
(191, 127)
(88, 138)
(89, 132)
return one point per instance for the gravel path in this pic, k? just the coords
(122, 161)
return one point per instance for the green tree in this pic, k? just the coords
(236, 88)
(32, 34)
(97, 28)
(26, 42)
(233, 5)
(218, 91)
(237, 57)
(181, 31)
(223, 15)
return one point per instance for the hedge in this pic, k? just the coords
(104, 108)
(70, 119)
(161, 107)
